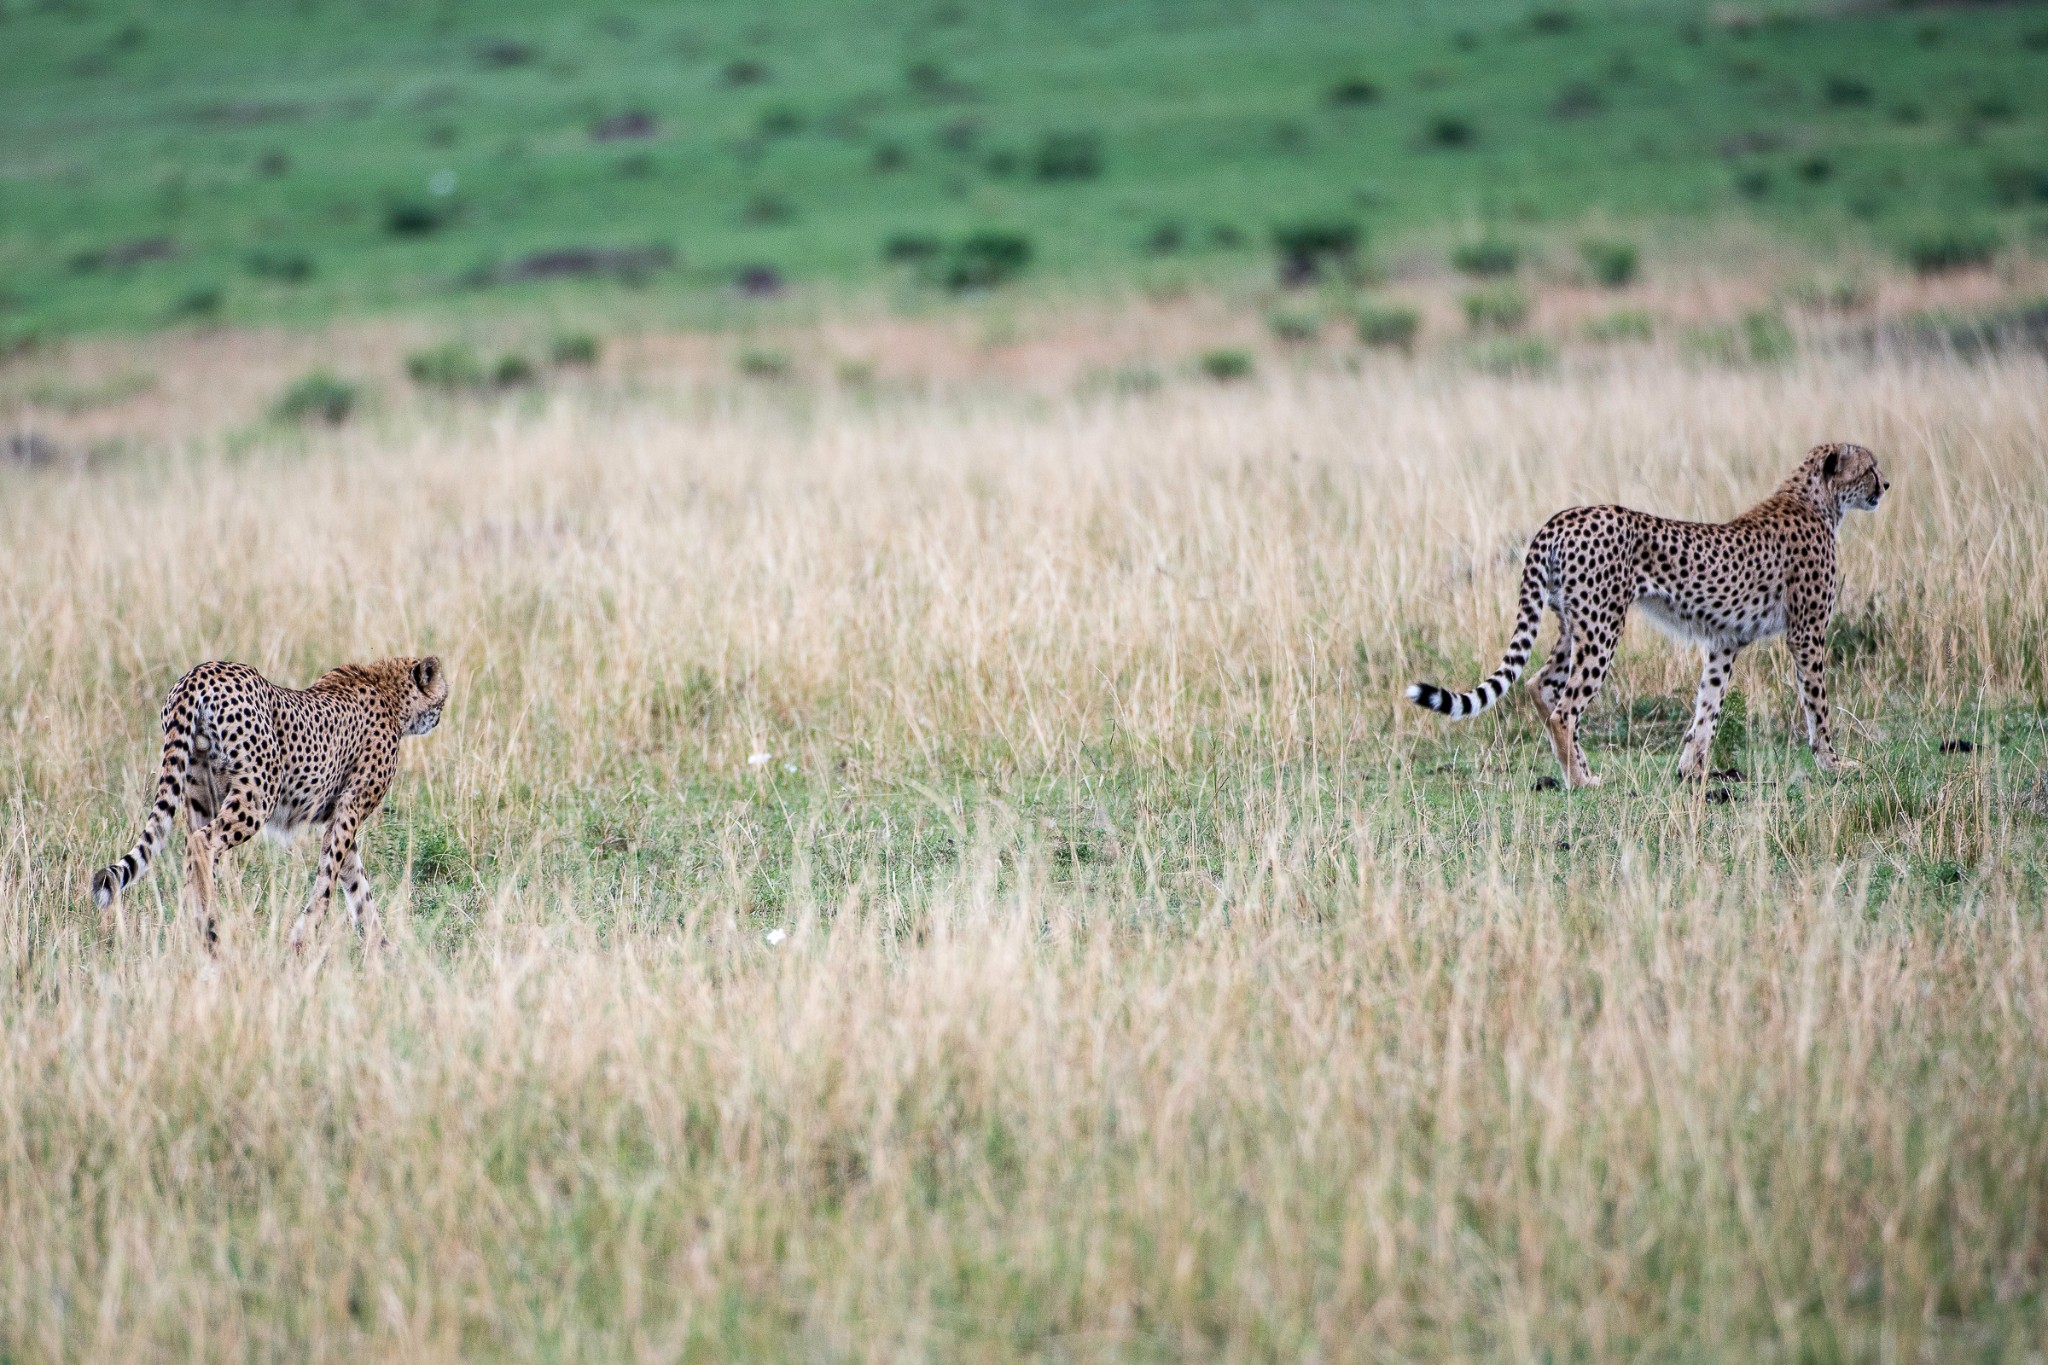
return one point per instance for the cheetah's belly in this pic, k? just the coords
(1695, 625)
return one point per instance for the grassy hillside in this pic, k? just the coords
(240, 162)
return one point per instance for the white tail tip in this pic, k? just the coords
(1415, 691)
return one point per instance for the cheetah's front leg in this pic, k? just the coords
(1706, 710)
(1809, 647)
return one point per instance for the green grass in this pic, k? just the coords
(238, 163)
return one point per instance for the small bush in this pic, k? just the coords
(1353, 94)
(889, 156)
(1754, 183)
(1954, 247)
(1068, 156)
(981, 260)
(909, 247)
(764, 364)
(284, 266)
(513, 371)
(1487, 258)
(450, 366)
(1500, 309)
(1993, 108)
(1612, 263)
(574, 348)
(200, 302)
(317, 397)
(1226, 365)
(1390, 327)
(1164, 240)
(2017, 183)
(416, 217)
(1295, 328)
(1449, 132)
(1514, 356)
(1578, 100)
(745, 71)
(1307, 248)
(768, 210)
(1551, 21)
(1627, 324)
(1815, 170)
(1846, 92)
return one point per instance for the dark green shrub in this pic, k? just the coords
(1499, 309)
(745, 71)
(1754, 183)
(450, 366)
(1846, 92)
(765, 364)
(574, 348)
(1612, 263)
(416, 217)
(1226, 365)
(1996, 107)
(1578, 100)
(1308, 248)
(198, 303)
(1164, 240)
(981, 260)
(1450, 132)
(1487, 258)
(1816, 169)
(513, 371)
(1353, 94)
(1627, 324)
(317, 397)
(1295, 328)
(1956, 246)
(284, 266)
(909, 247)
(1392, 327)
(1068, 156)
(2017, 183)
(1553, 21)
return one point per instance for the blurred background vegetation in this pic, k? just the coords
(234, 162)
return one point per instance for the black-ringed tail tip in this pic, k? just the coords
(1459, 705)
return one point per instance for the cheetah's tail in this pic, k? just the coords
(1460, 705)
(181, 718)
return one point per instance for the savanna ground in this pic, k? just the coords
(944, 872)
(926, 858)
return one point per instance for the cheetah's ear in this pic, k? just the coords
(424, 672)
(1832, 465)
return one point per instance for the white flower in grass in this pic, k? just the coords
(757, 759)
(775, 936)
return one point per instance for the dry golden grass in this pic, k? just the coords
(1155, 984)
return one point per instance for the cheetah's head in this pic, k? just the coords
(429, 692)
(1847, 476)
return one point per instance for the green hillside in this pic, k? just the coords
(247, 162)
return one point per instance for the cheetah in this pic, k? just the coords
(1721, 586)
(241, 752)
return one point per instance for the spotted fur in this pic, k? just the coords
(1719, 585)
(241, 753)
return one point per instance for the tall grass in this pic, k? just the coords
(1101, 962)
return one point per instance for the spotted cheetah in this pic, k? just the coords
(241, 752)
(1721, 586)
